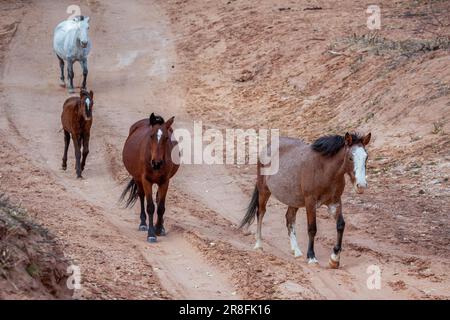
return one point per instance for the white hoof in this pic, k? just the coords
(258, 246)
(334, 261)
(297, 253)
(335, 257)
(312, 261)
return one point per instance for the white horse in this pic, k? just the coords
(71, 43)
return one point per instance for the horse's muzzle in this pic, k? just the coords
(84, 44)
(156, 165)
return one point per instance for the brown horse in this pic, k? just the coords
(147, 157)
(76, 120)
(310, 176)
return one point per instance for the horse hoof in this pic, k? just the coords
(297, 253)
(62, 84)
(334, 261)
(313, 261)
(151, 239)
(161, 232)
(80, 177)
(71, 90)
(64, 168)
(333, 264)
(143, 227)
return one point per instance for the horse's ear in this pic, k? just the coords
(91, 93)
(152, 119)
(348, 139)
(365, 140)
(169, 122)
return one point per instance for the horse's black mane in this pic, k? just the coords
(331, 144)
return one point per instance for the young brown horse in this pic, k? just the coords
(76, 120)
(310, 176)
(147, 157)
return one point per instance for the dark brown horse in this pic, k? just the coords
(147, 157)
(76, 120)
(310, 176)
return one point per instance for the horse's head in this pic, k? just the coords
(159, 140)
(83, 26)
(87, 103)
(356, 159)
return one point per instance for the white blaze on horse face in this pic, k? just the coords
(159, 134)
(88, 103)
(359, 166)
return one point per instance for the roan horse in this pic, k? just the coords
(147, 156)
(76, 120)
(310, 176)
(71, 43)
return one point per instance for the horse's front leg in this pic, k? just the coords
(151, 235)
(70, 74)
(310, 205)
(85, 150)
(77, 145)
(61, 66)
(161, 199)
(336, 210)
(66, 148)
(143, 216)
(85, 71)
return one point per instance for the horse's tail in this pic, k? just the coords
(251, 210)
(132, 189)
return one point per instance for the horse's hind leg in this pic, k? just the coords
(291, 215)
(263, 197)
(336, 209)
(66, 148)
(61, 66)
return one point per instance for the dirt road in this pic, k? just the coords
(133, 71)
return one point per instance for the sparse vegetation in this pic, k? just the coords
(438, 127)
(30, 260)
(375, 44)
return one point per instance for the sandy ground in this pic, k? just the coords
(183, 58)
